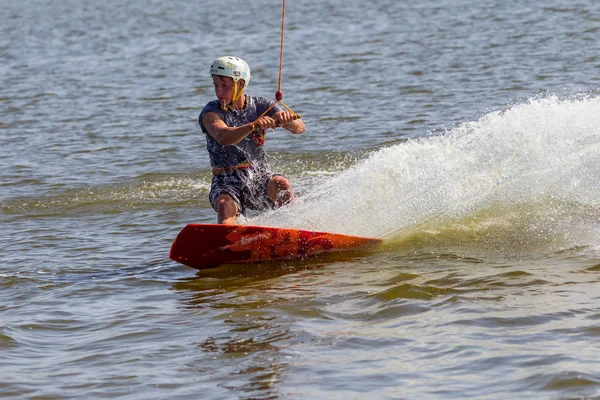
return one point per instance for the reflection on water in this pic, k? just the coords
(254, 342)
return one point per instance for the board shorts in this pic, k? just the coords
(247, 188)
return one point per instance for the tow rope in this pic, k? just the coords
(278, 93)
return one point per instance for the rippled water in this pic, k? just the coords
(466, 135)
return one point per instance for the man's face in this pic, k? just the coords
(224, 88)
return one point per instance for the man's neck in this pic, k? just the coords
(240, 103)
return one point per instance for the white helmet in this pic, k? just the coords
(233, 67)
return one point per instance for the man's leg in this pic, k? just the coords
(226, 210)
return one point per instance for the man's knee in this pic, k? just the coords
(280, 190)
(281, 182)
(224, 201)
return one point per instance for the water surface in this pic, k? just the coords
(466, 135)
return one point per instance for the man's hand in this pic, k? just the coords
(265, 122)
(284, 118)
(287, 120)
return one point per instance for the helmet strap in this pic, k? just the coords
(236, 96)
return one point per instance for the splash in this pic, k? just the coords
(531, 170)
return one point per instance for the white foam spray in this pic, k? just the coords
(534, 165)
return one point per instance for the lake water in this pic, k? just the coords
(465, 134)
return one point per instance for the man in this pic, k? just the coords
(242, 178)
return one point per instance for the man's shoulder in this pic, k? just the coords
(211, 106)
(261, 103)
(260, 99)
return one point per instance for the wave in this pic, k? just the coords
(151, 191)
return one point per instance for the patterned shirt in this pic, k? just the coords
(249, 149)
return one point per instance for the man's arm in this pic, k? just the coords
(227, 135)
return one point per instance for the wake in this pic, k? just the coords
(534, 167)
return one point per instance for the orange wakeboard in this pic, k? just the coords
(209, 245)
